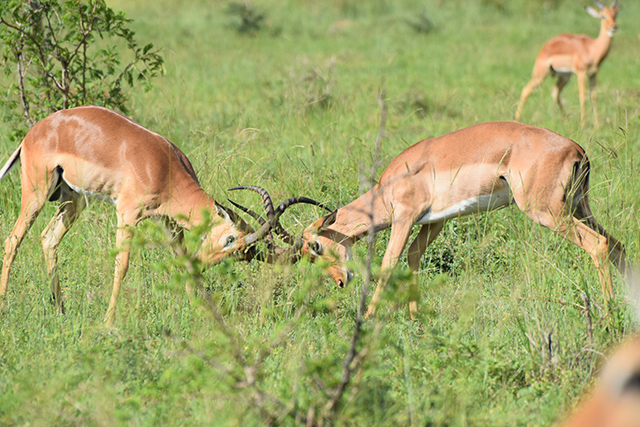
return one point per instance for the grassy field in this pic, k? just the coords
(501, 338)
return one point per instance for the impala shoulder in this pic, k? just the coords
(184, 162)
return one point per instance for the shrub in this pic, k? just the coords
(60, 54)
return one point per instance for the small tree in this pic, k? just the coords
(60, 54)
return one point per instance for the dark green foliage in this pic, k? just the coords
(61, 54)
(421, 23)
(246, 19)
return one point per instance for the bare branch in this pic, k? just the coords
(348, 364)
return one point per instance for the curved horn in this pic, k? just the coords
(598, 5)
(251, 213)
(273, 253)
(288, 238)
(252, 238)
(614, 4)
(266, 198)
(293, 200)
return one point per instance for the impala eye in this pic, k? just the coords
(230, 240)
(316, 248)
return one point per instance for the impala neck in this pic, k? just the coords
(602, 43)
(190, 204)
(355, 220)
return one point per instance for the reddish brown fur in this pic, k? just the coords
(104, 153)
(577, 54)
(543, 170)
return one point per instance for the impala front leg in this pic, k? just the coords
(594, 100)
(427, 234)
(123, 243)
(400, 232)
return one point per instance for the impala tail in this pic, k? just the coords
(11, 163)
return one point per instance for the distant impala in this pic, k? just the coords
(476, 169)
(93, 152)
(577, 54)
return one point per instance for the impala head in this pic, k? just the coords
(230, 236)
(607, 15)
(321, 242)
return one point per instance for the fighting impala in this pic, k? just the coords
(479, 168)
(577, 54)
(92, 152)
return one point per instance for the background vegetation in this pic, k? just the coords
(282, 93)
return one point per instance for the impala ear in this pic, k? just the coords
(328, 220)
(230, 216)
(224, 213)
(591, 11)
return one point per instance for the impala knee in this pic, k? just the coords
(601, 251)
(49, 242)
(10, 245)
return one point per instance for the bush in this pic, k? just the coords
(247, 20)
(55, 57)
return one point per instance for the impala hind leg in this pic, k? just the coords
(31, 205)
(427, 234)
(561, 82)
(576, 231)
(71, 205)
(526, 91)
(540, 72)
(400, 232)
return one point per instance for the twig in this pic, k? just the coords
(587, 313)
(23, 97)
(354, 358)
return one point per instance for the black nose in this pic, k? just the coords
(340, 284)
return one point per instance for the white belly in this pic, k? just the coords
(89, 194)
(470, 206)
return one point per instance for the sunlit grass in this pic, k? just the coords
(294, 110)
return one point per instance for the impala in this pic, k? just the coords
(577, 54)
(92, 152)
(615, 401)
(479, 168)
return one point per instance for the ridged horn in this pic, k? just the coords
(277, 227)
(251, 213)
(252, 238)
(266, 198)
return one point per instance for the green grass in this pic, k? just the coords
(294, 109)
